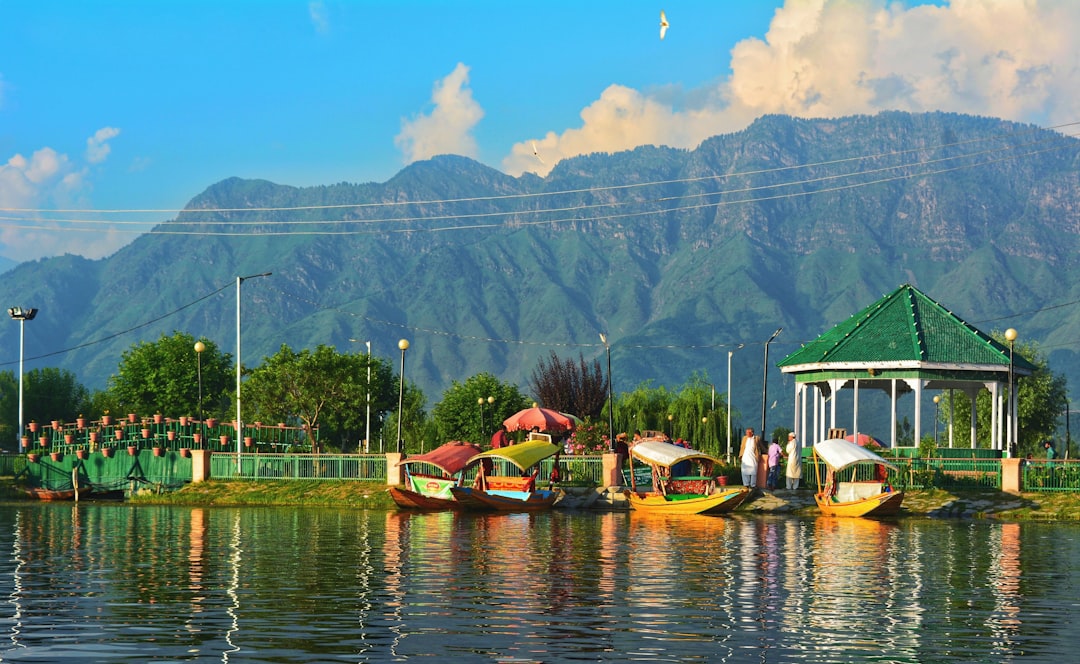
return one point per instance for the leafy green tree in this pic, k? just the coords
(417, 429)
(1040, 398)
(457, 416)
(163, 376)
(690, 409)
(48, 394)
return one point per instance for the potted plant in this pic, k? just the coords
(69, 438)
(145, 432)
(183, 420)
(33, 426)
(80, 421)
(43, 441)
(157, 418)
(107, 452)
(132, 417)
(33, 457)
(106, 419)
(95, 436)
(247, 441)
(196, 438)
(211, 422)
(82, 453)
(185, 452)
(25, 442)
(133, 450)
(119, 433)
(224, 440)
(159, 451)
(57, 456)
(170, 434)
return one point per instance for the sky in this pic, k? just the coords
(122, 111)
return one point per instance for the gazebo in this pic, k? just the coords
(903, 343)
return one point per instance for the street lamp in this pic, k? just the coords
(765, 379)
(403, 344)
(480, 402)
(611, 395)
(937, 400)
(239, 421)
(1010, 336)
(670, 426)
(199, 348)
(729, 354)
(21, 315)
(367, 419)
(491, 409)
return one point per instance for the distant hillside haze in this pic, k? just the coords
(677, 256)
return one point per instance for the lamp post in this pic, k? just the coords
(670, 426)
(480, 402)
(403, 344)
(611, 397)
(239, 421)
(21, 315)
(1010, 336)
(199, 348)
(491, 409)
(937, 401)
(729, 354)
(367, 418)
(765, 378)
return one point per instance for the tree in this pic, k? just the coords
(163, 377)
(48, 394)
(1040, 398)
(563, 386)
(457, 416)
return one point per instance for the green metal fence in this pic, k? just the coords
(923, 473)
(259, 466)
(120, 471)
(1043, 475)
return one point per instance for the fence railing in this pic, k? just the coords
(925, 473)
(257, 466)
(1044, 475)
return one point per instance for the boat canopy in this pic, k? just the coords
(659, 453)
(523, 455)
(450, 458)
(839, 454)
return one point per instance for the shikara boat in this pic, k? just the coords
(50, 495)
(510, 493)
(424, 489)
(865, 494)
(673, 493)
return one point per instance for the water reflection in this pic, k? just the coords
(116, 583)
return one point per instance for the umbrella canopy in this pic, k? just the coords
(864, 440)
(449, 458)
(523, 455)
(839, 454)
(545, 418)
(659, 453)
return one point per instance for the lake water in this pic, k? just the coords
(120, 583)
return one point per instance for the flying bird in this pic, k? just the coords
(536, 153)
(663, 24)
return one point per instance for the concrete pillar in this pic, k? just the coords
(200, 466)
(394, 476)
(610, 470)
(1012, 475)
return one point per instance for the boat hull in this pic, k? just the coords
(406, 499)
(716, 503)
(504, 501)
(883, 504)
(51, 495)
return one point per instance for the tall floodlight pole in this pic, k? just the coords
(367, 419)
(765, 379)
(21, 315)
(1010, 336)
(239, 421)
(611, 395)
(729, 354)
(403, 344)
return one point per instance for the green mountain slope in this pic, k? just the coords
(740, 238)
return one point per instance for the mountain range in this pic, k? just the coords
(677, 256)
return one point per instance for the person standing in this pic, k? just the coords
(774, 454)
(622, 453)
(748, 456)
(500, 439)
(793, 471)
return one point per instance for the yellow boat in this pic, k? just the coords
(680, 494)
(865, 497)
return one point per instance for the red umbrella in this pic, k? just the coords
(545, 418)
(865, 440)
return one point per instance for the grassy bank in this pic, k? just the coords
(366, 495)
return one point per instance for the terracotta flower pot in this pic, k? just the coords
(57, 456)
(185, 452)
(26, 441)
(196, 438)
(107, 452)
(82, 454)
(69, 438)
(224, 440)
(159, 451)
(43, 441)
(33, 427)
(106, 420)
(81, 422)
(95, 436)
(157, 418)
(132, 450)
(247, 441)
(119, 434)
(33, 457)
(132, 417)
(146, 433)
(211, 422)
(183, 420)
(170, 434)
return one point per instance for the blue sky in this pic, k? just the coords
(128, 105)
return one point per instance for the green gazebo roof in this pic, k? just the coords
(906, 328)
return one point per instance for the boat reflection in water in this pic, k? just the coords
(316, 585)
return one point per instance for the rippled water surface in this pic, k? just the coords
(116, 583)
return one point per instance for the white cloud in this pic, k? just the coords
(97, 146)
(320, 18)
(1014, 59)
(447, 129)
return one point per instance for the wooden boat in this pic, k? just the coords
(680, 493)
(51, 495)
(425, 490)
(866, 495)
(510, 493)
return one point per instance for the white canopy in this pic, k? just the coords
(838, 454)
(659, 453)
